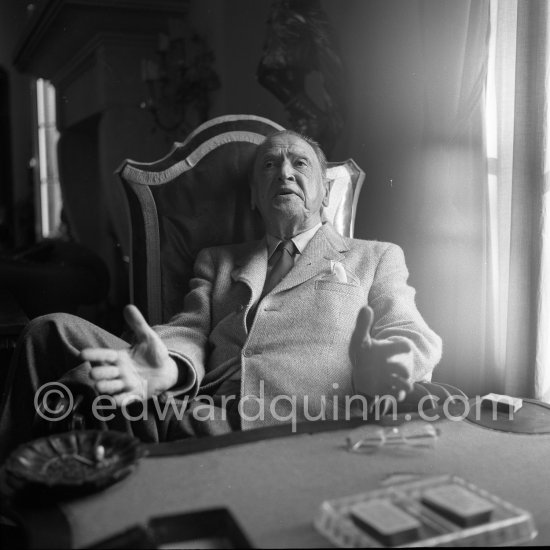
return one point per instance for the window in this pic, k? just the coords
(48, 199)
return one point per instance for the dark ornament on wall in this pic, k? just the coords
(301, 67)
(180, 81)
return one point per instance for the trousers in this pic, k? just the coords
(47, 355)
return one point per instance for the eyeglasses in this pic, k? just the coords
(424, 436)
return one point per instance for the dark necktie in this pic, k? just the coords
(284, 261)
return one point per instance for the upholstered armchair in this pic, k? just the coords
(198, 196)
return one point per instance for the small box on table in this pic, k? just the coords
(503, 403)
(458, 504)
(385, 521)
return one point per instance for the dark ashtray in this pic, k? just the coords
(213, 528)
(71, 464)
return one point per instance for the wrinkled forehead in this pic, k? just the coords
(286, 144)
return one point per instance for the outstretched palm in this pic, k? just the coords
(380, 367)
(139, 372)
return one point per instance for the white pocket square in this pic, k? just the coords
(338, 271)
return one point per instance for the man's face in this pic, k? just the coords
(288, 185)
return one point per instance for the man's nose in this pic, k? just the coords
(286, 173)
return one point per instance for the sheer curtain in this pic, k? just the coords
(542, 362)
(518, 254)
(484, 192)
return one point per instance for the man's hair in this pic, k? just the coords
(313, 144)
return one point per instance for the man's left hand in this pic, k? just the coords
(137, 373)
(380, 367)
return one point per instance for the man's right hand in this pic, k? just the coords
(137, 373)
(380, 367)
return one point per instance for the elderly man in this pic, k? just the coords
(288, 328)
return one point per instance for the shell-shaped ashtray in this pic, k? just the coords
(72, 463)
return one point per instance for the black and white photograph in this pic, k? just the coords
(274, 273)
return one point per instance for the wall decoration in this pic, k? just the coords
(300, 65)
(180, 81)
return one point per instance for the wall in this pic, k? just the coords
(236, 31)
(18, 191)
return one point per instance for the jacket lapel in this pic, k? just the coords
(325, 246)
(251, 268)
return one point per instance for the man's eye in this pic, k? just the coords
(300, 163)
(268, 164)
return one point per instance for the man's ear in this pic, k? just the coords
(328, 187)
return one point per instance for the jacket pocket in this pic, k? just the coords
(335, 286)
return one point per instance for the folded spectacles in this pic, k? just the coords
(424, 436)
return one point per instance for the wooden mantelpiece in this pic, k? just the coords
(91, 50)
(58, 28)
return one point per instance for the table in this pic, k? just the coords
(273, 487)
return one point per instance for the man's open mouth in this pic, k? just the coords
(283, 192)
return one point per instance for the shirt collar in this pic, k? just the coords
(300, 241)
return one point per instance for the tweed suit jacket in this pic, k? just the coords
(295, 358)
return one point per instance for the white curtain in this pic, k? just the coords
(518, 305)
(542, 364)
